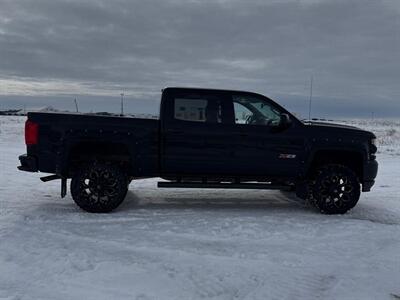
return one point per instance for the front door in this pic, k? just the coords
(262, 146)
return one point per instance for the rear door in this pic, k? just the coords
(195, 139)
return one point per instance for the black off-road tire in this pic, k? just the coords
(99, 187)
(335, 189)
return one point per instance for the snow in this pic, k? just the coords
(196, 244)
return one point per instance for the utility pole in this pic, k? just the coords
(309, 104)
(122, 104)
(76, 105)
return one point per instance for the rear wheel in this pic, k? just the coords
(99, 187)
(335, 189)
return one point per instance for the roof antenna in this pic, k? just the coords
(310, 102)
(76, 105)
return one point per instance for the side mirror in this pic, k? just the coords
(285, 121)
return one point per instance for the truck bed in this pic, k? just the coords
(60, 133)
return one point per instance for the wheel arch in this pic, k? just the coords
(86, 151)
(350, 158)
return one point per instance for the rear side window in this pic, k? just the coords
(198, 110)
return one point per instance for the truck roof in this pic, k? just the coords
(205, 89)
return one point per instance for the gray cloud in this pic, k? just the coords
(59, 48)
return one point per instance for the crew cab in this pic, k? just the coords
(204, 138)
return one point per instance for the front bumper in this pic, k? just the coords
(28, 163)
(370, 172)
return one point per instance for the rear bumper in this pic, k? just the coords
(370, 172)
(28, 163)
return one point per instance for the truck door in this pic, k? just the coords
(194, 139)
(261, 145)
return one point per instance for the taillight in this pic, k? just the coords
(31, 133)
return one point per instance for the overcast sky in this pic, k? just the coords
(52, 51)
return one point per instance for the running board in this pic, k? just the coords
(200, 185)
(49, 178)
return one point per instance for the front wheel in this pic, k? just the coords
(99, 187)
(335, 189)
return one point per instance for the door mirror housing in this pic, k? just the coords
(285, 121)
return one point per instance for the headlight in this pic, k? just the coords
(373, 148)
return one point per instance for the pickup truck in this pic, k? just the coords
(204, 138)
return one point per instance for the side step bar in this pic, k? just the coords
(49, 178)
(200, 185)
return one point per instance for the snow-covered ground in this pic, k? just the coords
(192, 244)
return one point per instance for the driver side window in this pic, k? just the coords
(252, 110)
(241, 113)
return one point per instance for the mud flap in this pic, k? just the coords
(63, 187)
(302, 189)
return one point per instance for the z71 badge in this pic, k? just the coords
(282, 155)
